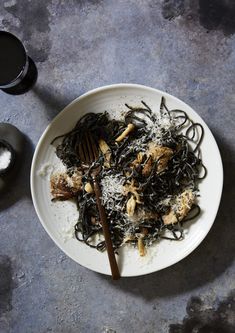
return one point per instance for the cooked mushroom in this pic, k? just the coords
(125, 133)
(141, 246)
(130, 206)
(153, 153)
(131, 188)
(88, 188)
(106, 152)
(148, 166)
(138, 160)
(186, 200)
(161, 154)
(128, 238)
(64, 187)
(143, 215)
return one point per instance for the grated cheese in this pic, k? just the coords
(45, 170)
(5, 158)
(112, 190)
(162, 124)
(155, 130)
(67, 233)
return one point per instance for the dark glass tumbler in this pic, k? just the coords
(18, 73)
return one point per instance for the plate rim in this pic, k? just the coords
(62, 112)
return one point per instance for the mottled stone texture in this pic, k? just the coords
(186, 48)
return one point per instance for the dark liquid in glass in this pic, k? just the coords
(12, 59)
(17, 71)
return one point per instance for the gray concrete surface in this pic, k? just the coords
(186, 48)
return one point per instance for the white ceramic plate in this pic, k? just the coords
(58, 218)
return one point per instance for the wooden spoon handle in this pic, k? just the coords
(107, 236)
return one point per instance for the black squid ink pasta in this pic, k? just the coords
(151, 166)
